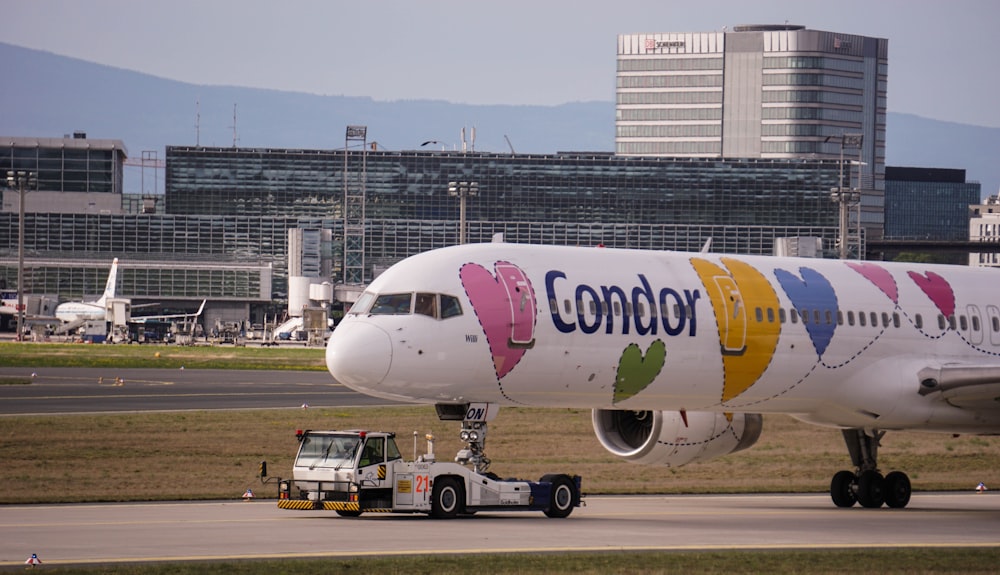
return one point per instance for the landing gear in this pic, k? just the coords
(474, 435)
(867, 486)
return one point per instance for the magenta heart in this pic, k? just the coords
(936, 288)
(505, 306)
(882, 279)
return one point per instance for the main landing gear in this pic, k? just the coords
(868, 487)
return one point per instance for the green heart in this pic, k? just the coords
(636, 372)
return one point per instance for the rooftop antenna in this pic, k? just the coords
(473, 138)
(235, 139)
(463, 140)
(197, 123)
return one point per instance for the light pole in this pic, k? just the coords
(844, 197)
(462, 190)
(20, 180)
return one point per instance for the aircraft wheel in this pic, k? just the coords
(562, 496)
(871, 492)
(343, 513)
(897, 489)
(842, 489)
(446, 498)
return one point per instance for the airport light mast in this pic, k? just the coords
(21, 181)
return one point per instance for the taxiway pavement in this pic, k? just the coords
(229, 530)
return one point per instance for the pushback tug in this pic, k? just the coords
(353, 472)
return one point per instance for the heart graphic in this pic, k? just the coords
(936, 288)
(636, 372)
(505, 306)
(813, 293)
(878, 275)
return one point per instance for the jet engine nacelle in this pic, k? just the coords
(672, 439)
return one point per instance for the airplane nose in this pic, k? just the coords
(359, 355)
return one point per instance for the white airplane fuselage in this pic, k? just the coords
(840, 343)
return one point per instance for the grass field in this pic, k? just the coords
(160, 356)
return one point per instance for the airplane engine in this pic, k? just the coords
(666, 438)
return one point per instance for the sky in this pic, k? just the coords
(942, 54)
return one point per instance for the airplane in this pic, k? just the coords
(81, 311)
(678, 354)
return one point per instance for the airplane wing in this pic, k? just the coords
(971, 386)
(185, 316)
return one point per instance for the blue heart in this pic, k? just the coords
(812, 292)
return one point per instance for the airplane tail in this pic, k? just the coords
(109, 289)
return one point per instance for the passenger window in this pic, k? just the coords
(781, 315)
(975, 323)
(861, 318)
(759, 314)
(895, 319)
(840, 317)
(450, 306)
(618, 308)
(850, 318)
(804, 315)
(426, 304)
(885, 319)
(794, 315)
(593, 307)
(640, 310)
(918, 321)
(770, 315)
(392, 304)
(874, 319)
(964, 322)
(941, 324)
(951, 322)
(996, 324)
(816, 317)
(567, 306)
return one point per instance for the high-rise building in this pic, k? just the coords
(928, 203)
(779, 91)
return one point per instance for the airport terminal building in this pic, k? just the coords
(228, 211)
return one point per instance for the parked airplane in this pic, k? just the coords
(80, 311)
(678, 354)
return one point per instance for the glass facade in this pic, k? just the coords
(578, 199)
(928, 203)
(67, 164)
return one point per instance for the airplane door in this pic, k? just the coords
(522, 304)
(976, 327)
(733, 328)
(993, 324)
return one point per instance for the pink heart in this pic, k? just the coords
(505, 306)
(878, 276)
(936, 288)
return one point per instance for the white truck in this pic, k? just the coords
(354, 472)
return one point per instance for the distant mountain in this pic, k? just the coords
(56, 95)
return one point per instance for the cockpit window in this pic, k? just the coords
(363, 303)
(392, 303)
(450, 307)
(426, 304)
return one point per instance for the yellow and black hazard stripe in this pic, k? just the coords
(297, 504)
(381, 471)
(341, 506)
